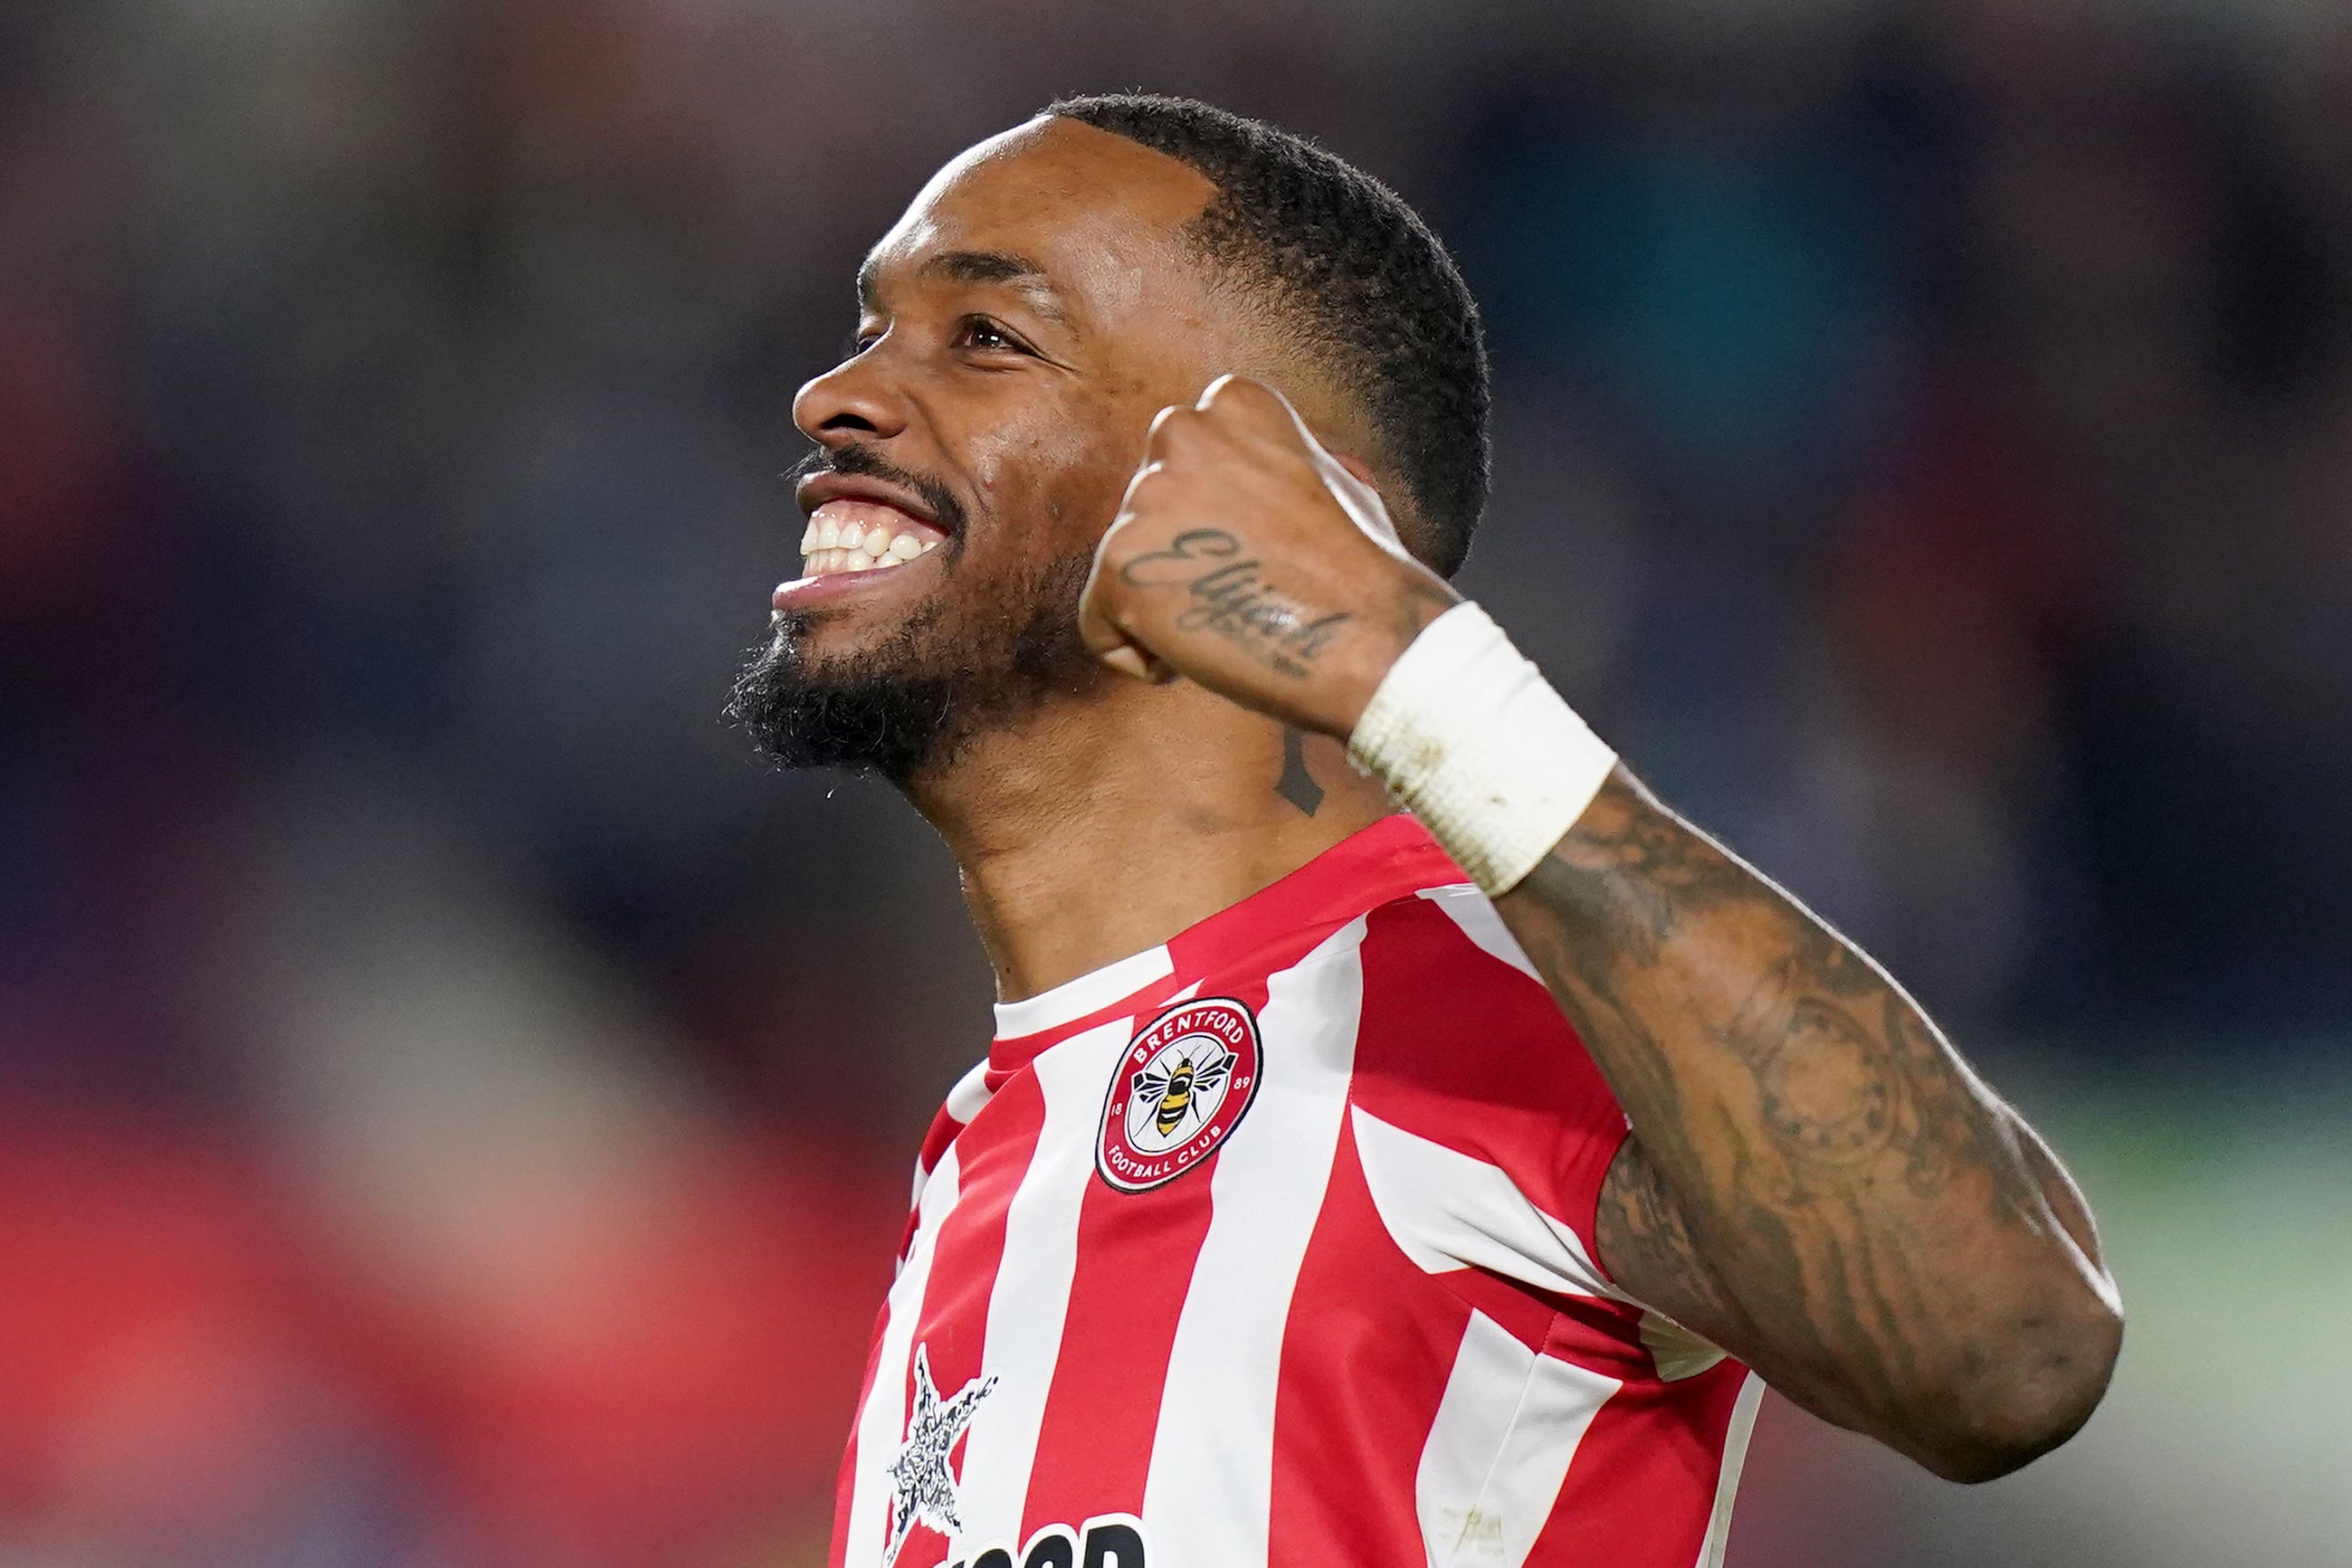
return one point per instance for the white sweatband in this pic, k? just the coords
(1472, 740)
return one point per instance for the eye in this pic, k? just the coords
(983, 336)
(858, 343)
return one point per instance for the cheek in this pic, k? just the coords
(1051, 485)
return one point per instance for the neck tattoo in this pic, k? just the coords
(1296, 785)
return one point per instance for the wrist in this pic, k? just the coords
(1468, 735)
(1377, 655)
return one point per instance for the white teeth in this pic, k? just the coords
(828, 534)
(852, 532)
(878, 548)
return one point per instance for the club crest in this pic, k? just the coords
(1182, 1086)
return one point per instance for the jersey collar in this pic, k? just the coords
(1391, 857)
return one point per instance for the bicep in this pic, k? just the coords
(1647, 1249)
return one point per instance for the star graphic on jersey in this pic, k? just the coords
(922, 1486)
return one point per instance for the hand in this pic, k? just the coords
(1246, 558)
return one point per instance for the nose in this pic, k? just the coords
(853, 402)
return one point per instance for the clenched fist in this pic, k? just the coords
(1246, 558)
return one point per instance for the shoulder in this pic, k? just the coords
(1453, 928)
(1458, 1034)
(1435, 956)
(964, 1104)
(1481, 1124)
(1439, 964)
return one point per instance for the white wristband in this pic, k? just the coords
(1466, 732)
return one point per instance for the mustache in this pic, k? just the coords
(865, 463)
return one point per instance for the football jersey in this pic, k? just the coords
(1272, 1248)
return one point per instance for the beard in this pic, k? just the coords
(907, 707)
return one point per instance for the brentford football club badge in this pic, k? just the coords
(1180, 1090)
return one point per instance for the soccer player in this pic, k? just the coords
(1346, 1184)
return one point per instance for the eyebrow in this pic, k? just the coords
(980, 267)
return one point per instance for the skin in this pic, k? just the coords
(1815, 1180)
(1171, 783)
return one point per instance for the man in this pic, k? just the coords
(1344, 1186)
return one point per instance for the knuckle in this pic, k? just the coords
(1140, 484)
(1239, 394)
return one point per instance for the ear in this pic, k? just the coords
(1356, 465)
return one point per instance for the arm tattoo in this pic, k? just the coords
(1815, 1180)
(1644, 1241)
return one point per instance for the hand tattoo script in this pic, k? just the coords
(1233, 600)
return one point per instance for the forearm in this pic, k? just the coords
(1873, 1226)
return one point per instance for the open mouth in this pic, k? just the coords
(852, 534)
(862, 528)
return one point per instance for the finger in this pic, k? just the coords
(1106, 642)
(1214, 391)
(1129, 659)
(1263, 410)
(1155, 435)
(1135, 483)
(1254, 403)
(1097, 628)
(1361, 501)
(1265, 407)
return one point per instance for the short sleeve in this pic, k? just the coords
(1483, 1128)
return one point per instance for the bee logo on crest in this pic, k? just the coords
(1171, 1093)
(1179, 1091)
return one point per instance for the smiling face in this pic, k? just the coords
(1019, 327)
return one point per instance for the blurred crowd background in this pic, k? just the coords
(455, 1108)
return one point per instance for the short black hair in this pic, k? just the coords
(1374, 293)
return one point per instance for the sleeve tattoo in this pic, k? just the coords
(1815, 1180)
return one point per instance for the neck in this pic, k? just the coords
(1098, 830)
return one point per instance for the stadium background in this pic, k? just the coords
(455, 1108)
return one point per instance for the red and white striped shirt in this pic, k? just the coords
(1272, 1248)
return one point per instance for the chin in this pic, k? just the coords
(880, 684)
(842, 713)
